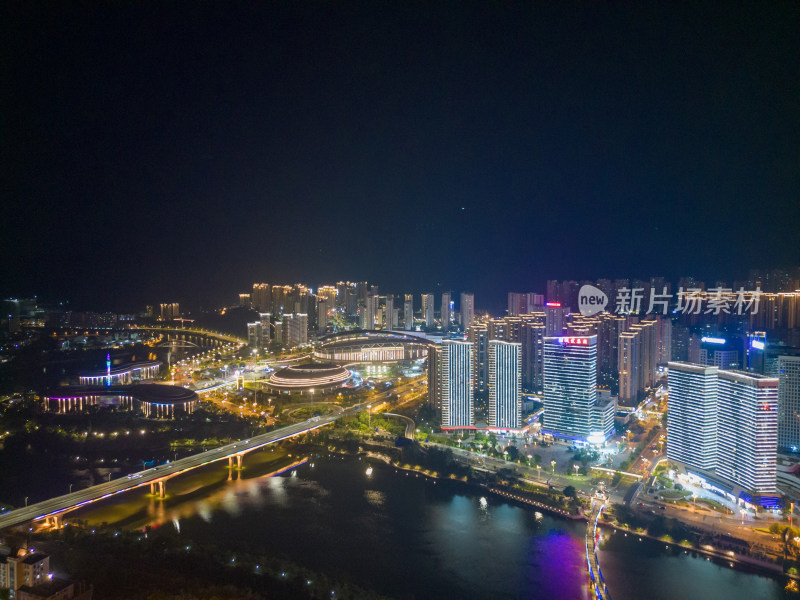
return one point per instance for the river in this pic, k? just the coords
(409, 537)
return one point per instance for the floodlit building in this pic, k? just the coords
(447, 310)
(571, 403)
(261, 297)
(428, 310)
(170, 310)
(789, 403)
(692, 415)
(747, 431)
(455, 385)
(389, 314)
(505, 385)
(408, 312)
(255, 334)
(467, 309)
(722, 426)
(478, 336)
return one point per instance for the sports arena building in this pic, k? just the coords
(360, 346)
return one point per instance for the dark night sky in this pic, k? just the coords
(159, 151)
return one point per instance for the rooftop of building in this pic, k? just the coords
(309, 371)
(152, 393)
(125, 368)
(33, 558)
(47, 588)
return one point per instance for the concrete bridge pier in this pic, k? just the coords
(55, 521)
(158, 488)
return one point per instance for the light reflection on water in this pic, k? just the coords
(404, 536)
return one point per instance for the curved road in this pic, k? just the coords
(59, 504)
(410, 425)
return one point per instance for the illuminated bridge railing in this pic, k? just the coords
(597, 581)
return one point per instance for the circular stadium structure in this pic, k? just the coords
(154, 401)
(321, 376)
(359, 346)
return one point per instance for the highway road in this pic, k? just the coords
(59, 504)
(410, 425)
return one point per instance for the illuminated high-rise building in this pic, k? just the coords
(261, 297)
(373, 303)
(323, 314)
(478, 336)
(428, 310)
(467, 309)
(455, 384)
(295, 329)
(170, 310)
(521, 304)
(505, 385)
(408, 312)
(570, 389)
(629, 362)
(329, 293)
(281, 299)
(255, 334)
(388, 313)
(532, 340)
(747, 430)
(435, 379)
(692, 415)
(554, 318)
(789, 402)
(447, 310)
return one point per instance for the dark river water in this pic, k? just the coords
(407, 537)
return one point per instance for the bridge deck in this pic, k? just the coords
(60, 504)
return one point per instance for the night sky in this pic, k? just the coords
(157, 151)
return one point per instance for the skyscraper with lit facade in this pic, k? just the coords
(467, 309)
(428, 309)
(408, 312)
(446, 310)
(789, 403)
(570, 387)
(692, 415)
(747, 430)
(477, 334)
(455, 385)
(255, 334)
(505, 385)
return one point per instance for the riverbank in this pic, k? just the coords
(726, 558)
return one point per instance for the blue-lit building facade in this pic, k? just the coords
(456, 386)
(505, 385)
(572, 408)
(722, 430)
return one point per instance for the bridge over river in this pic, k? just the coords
(52, 511)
